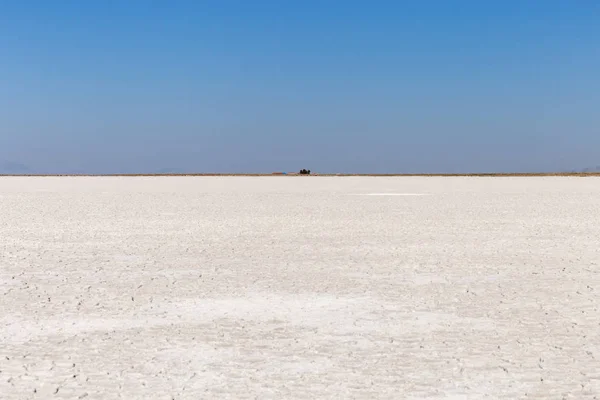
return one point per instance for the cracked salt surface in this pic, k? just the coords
(188, 288)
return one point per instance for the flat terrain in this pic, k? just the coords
(307, 288)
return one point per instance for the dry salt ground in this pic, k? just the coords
(299, 288)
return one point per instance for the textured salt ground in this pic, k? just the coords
(391, 194)
(191, 288)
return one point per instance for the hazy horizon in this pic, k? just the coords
(233, 87)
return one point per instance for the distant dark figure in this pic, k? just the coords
(305, 172)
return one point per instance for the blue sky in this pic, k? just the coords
(334, 86)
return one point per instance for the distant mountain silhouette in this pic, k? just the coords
(592, 169)
(13, 168)
(170, 171)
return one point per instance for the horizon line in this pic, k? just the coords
(280, 174)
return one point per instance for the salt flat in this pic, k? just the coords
(295, 287)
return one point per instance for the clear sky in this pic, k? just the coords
(333, 86)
